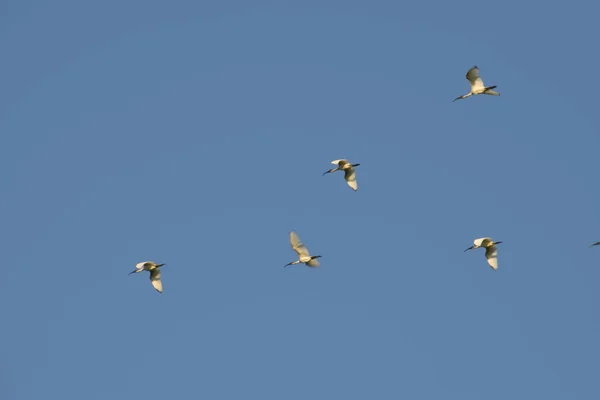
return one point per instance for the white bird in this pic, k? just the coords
(303, 254)
(491, 252)
(477, 86)
(349, 172)
(154, 273)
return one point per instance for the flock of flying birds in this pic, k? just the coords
(304, 257)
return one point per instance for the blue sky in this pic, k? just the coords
(195, 134)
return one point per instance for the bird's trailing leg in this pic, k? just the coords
(488, 90)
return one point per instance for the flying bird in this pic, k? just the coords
(303, 254)
(477, 86)
(154, 273)
(349, 172)
(491, 252)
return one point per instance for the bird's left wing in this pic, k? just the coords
(155, 279)
(491, 253)
(350, 176)
(313, 263)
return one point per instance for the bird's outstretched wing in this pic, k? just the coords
(313, 263)
(482, 242)
(350, 176)
(155, 280)
(473, 77)
(298, 246)
(340, 162)
(491, 253)
(140, 266)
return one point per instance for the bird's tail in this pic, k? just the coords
(488, 90)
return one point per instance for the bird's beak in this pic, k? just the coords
(497, 242)
(287, 265)
(470, 248)
(458, 98)
(594, 244)
(326, 172)
(160, 265)
(132, 272)
(355, 165)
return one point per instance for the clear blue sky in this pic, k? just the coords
(195, 133)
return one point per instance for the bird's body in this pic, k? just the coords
(477, 86)
(491, 251)
(349, 172)
(154, 270)
(303, 254)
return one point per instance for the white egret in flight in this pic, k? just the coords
(154, 273)
(491, 252)
(349, 172)
(477, 86)
(303, 254)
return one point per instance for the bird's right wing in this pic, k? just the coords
(155, 279)
(340, 162)
(482, 242)
(297, 245)
(140, 266)
(473, 77)
(491, 253)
